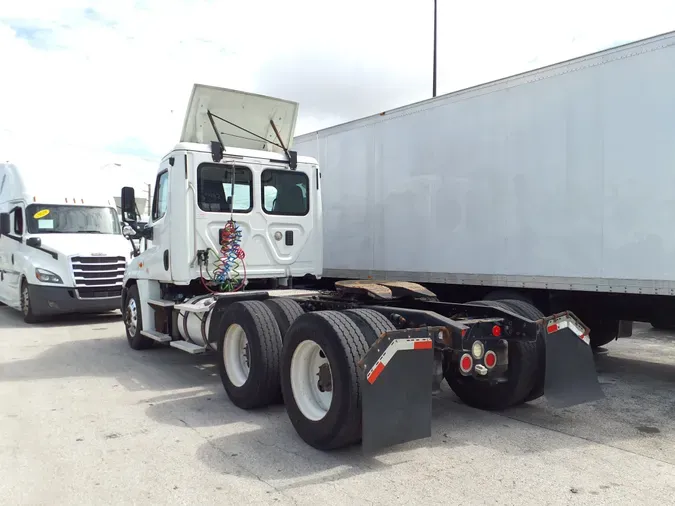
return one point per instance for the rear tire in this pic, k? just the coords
(133, 321)
(251, 380)
(342, 345)
(285, 312)
(522, 373)
(504, 295)
(600, 336)
(371, 323)
(658, 324)
(532, 313)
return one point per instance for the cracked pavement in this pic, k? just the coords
(86, 420)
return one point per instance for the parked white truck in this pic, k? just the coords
(61, 245)
(554, 186)
(236, 216)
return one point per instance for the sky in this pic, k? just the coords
(102, 86)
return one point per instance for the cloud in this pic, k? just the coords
(105, 81)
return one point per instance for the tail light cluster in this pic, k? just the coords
(478, 359)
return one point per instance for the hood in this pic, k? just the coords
(86, 244)
(247, 110)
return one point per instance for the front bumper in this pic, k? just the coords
(50, 300)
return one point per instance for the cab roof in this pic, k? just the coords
(50, 186)
(239, 153)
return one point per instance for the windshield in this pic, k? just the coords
(47, 219)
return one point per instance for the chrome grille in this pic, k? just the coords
(98, 277)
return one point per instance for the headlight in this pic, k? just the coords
(47, 276)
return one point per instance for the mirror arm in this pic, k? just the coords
(135, 251)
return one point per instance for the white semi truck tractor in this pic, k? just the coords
(236, 243)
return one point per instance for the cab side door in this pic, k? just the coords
(158, 265)
(13, 253)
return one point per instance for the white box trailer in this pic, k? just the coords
(558, 183)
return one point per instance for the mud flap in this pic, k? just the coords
(570, 377)
(396, 380)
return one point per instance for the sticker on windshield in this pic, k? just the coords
(41, 214)
(46, 224)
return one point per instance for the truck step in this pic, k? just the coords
(188, 347)
(161, 303)
(157, 336)
(190, 308)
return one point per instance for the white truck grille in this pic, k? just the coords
(98, 277)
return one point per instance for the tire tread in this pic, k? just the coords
(371, 323)
(285, 311)
(348, 344)
(267, 387)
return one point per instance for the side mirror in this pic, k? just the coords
(4, 223)
(34, 242)
(129, 205)
(128, 232)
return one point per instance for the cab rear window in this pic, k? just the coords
(224, 189)
(285, 192)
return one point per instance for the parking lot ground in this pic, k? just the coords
(85, 420)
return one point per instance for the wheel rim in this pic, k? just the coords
(236, 354)
(25, 300)
(311, 380)
(131, 319)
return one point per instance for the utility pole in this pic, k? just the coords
(435, 33)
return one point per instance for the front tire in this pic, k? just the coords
(249, 355)
(26, 306)
(133, 321)
(331, 343)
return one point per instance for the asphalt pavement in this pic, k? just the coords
(85, 420)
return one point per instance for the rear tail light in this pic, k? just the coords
(466, 363)
(496, 331)
(490, 359)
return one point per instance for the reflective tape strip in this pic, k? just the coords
(567, 323)
(394, 346)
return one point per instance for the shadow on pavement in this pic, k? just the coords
(636, 415)
(159, 368)
(13, 319)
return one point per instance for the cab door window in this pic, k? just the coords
(16, 221)
(161, 197)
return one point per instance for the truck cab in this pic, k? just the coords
(61, 245)
(248, 185)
